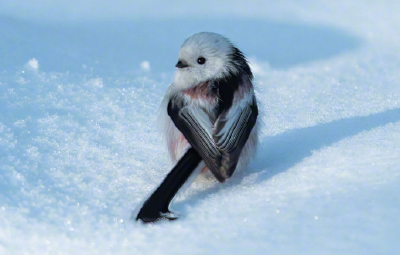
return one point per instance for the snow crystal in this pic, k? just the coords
(33, 64)
(145, 65)
(95, 83)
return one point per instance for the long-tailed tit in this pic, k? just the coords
(209, 115)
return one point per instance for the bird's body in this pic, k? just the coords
(209, 111)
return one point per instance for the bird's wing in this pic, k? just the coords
(220, 143)
(195, 124)
(231, 131)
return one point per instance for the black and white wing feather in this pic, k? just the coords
(219, 142)
(231, 131)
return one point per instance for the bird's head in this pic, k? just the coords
(208, 56)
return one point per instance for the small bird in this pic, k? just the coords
(209, 115)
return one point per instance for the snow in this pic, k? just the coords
(33, 64)
(80, 86)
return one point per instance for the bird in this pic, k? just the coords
(209, 118)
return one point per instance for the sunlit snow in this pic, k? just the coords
(80, 87)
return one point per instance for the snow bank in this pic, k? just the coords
(79, 148)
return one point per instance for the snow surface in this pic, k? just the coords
(80, 86)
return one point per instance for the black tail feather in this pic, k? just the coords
(156, 206)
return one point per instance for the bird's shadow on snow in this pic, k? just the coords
(283, 151)
(277, 154)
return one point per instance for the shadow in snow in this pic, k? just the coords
(279, 153)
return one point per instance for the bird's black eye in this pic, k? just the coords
(201, 60)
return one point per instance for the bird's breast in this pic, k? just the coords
(203, 91)
(204, 95)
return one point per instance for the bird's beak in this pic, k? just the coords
(181, 64)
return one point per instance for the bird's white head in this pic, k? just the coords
(206, 56)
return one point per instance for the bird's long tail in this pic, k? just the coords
(156, 207)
